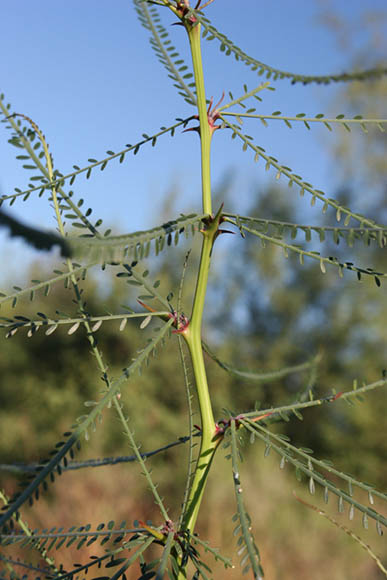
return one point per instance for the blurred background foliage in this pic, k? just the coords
(263, 312)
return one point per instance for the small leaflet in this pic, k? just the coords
(74, 328)
(96, 326)
(51, 329)
(145, 322)
(32, 331)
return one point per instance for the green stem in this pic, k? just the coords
(205, 131)
(192, 334)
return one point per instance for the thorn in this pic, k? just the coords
(334, 397)
(218, 103)
(197, 129)
(261, 417)
(152, 531)
(149, 308)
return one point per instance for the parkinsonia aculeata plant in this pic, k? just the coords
(179, 545)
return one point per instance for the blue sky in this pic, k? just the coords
(84, 71)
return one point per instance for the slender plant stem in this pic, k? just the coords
(192, 334)
(205, 132)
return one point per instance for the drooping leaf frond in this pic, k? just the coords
(166, 53)
(136, 245)
(278, 229)
(323, 261)
(313, 469)
(264, 376)
(272, 162)
(228, 48)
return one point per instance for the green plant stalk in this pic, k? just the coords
(192, 334)
(205, 130)
(193, 338)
